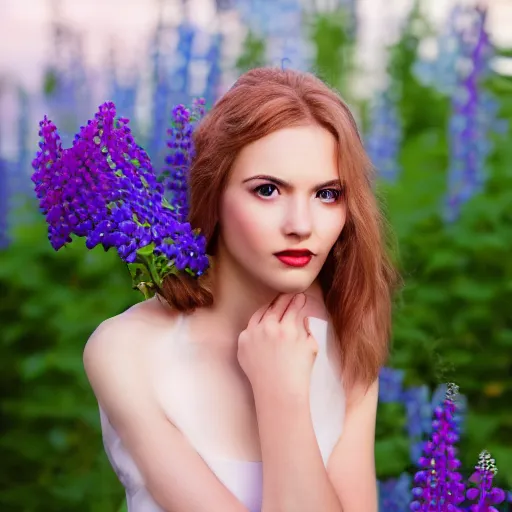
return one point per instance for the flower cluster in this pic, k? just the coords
(104, 188)
(419, 406)
(484, 492)
(179, 159)
(439, 483)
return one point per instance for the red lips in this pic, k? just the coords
(295, 252)
(295, 257)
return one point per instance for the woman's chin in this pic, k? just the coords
(293, 286)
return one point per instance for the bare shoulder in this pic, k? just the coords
(132, 327)
(172, 470)
(116, 348)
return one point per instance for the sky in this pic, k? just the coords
(25, 37)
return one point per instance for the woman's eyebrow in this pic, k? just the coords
(285, 184)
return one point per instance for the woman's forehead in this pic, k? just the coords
(291, 154)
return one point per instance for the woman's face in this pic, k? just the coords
(283, 194)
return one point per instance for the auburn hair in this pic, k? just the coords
(357, 278)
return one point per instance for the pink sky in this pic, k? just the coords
(25, 36)
(26, 41)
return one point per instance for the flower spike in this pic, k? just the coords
(104, 189)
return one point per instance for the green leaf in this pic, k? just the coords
(391, 456)
(147, 250)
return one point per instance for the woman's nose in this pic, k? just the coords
(298, 218)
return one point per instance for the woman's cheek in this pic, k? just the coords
(251, 223)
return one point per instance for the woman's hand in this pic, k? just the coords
(276, 350)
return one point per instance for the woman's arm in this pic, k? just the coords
(174, 473)
(351, 466)
(294, 476)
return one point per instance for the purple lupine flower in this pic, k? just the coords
(394, 493)
(474, 114)
(469, 146)
(104, 188)
(390, 385)
(485, 494)
(179, 159)
(385, 135)
(461, 405)
(459, 71)
(439, 483)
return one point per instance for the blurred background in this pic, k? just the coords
(430, 83)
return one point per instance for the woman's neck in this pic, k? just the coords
(237, 298)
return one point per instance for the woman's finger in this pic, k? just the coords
(294, 309)
(306, 326)
(277, 309)
(257, 317)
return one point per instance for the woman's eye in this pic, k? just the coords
(331, 195)
(265, 190)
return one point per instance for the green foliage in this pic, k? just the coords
(50, 82)
(52, 457)
(334, 50)
(253, 53)
(452, 320)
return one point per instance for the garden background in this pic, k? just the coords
(434, 108)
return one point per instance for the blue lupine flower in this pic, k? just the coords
(104, 188)
(23, 129)
(419, 417)
(281, 25)
(177, 74)
(160, 95)
(67, 92)
(180, 73)
(390, 385)
(384, 138)
(123, 93)
(394, 493)
(4, 205)
(484, 494)
(441, 73)
(439, 484)
(213, 80)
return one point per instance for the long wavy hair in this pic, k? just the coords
(358, 278)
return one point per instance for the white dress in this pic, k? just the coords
(195, 392)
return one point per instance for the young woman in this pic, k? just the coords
(255, 387)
